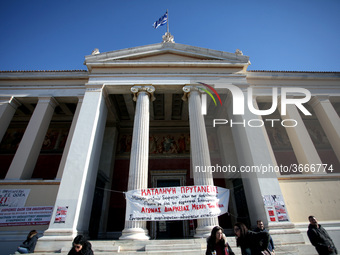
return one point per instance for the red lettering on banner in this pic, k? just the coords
(159, 191)
(3, 200)
(176, 208)
(206, 189)
(151, 210)
(198, 207)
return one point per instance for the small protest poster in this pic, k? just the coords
(61, 213)
(275, 203)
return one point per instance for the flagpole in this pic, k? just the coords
(167, 23)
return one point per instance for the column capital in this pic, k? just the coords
(190, 88)
(14, 102)
(148, 89)
(11, 101)
(49, 100)
(80, 98)
(94, 87)
(317, 100)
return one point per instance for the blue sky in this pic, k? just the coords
(293, 35)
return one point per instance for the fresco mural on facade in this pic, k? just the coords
(165, 143)
(55, 139)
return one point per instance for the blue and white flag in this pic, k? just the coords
(162, 21)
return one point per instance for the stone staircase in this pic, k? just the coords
(181, 246)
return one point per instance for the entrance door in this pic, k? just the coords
(169, 229)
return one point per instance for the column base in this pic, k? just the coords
(203, 232)
(55, 240)
(134, 234)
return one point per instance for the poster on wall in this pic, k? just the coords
(280, 208)
(61, 213)
(25, 216)
(13, 197)
(275, 207)
(271, 213)
(176, 203)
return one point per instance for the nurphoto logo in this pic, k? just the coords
(238, 103)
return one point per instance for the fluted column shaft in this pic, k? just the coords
(27, 154)
(329, 120)
(199, 154)
(69, 139)
(138, 172)
(304, 149)
(8, 106)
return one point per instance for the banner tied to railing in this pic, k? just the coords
(176, 203)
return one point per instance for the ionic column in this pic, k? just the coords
(69, 139)
(28, 151)
(138, 172)
(199, 153)
(329, 121)
(300, 139)
(78, 181)
(8, 106)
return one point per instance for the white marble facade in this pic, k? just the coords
(143, 73)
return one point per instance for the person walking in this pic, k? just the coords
(319, 238)
(217, 243)
(251, 243)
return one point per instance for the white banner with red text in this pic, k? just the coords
(176, 203)
(25, 216)
(13, 197)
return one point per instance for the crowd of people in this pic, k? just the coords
(256, 242)
(259, 241)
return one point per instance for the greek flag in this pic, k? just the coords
(162, 21)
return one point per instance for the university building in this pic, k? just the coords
(74, 141)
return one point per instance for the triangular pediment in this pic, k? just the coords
(166, 52)
(166, 56)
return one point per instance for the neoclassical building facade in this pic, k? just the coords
(141, 118)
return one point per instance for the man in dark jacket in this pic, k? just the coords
(319, 237)
(260, 228)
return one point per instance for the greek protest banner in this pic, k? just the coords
(25, 216)
(176, 203)
(13, 197)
